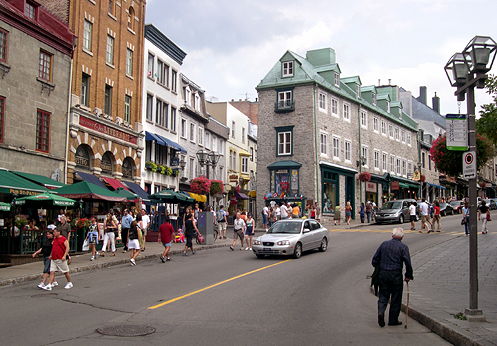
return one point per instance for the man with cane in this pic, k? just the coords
(390, 256)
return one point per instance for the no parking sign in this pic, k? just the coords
(469, 165)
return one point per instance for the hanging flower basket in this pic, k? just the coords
(200, 185)
(365, 176)
(422, 178)
(217, 186)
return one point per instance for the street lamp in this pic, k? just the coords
(466, 71)
(202, 157)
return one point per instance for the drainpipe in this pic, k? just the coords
(360, 153)
(68, 116)
(318, 177)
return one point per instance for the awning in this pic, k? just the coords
(197, 197)
(284, 164)
(138, 190)
(172, 144)
(404, 186)
(12, 183)
(41, 179)
(244, 153)
(114, 183)
(85, 189)
(91, 179)
(149, 136)
(338, 167)
(240, 195)
(252, 193)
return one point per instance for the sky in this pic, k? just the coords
(232, 44)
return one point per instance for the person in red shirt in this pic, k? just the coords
(436, 217)
(60, 249)
(166, 232)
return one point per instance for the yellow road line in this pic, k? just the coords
(215, 285)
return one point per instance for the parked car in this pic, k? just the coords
(291, 237)
(490, 203)
(396, 211)
(457, 206)
(446, 209)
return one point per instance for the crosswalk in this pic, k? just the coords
(370, 230)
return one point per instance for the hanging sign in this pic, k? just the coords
(457, 132)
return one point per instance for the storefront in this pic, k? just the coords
(338, 186)
(401, 188)
(284, 178)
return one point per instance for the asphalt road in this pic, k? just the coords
(223, 297)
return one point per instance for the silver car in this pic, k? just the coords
(291, 237)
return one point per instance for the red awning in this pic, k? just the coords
(114, 183)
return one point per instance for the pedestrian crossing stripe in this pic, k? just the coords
(366, 230)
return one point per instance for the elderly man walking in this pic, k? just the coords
(390, 256)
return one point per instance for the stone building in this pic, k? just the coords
(318, 131)
(35, 70)
(106, 135)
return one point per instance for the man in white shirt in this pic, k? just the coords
(265, 214)
(425, 216)
(412, 216)
(146, 224)
(278, 212)
(283, 211)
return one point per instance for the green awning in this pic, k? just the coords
(12, 183)
(40, 179)
(284, 164)
(4, 206)
(85, 189)
(404, 186)
(46, 200)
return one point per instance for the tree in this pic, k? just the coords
(487, 124)
(450, 161)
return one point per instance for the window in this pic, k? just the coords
(87, 32)
(358, 90)
(377, 159)
(214, 143)
(336, 148)
(109, 57)
(397, 135)
(208, 140)
(3, 45)
(423, 159)
(174, 75)
(252, 154)
(192, 132)
(392, 164)
(127, 109)
(287, 69)
(172, 126)
(364, 154)
(45, 68)
(108, 100)
(29, 11)
(2, 117)
(322, 101)
(192, 168)
(162, 73)
(200, 136)
(111, 7)
(323, 143)
(160, 110)
(42, 131)
(183, 128)
(129, 62)
(334, 107)
(150, 107)
(388, 106)
(197, 102)
(373, 96)
(364, 119)
(384, 162)
(390, 130)
(285, 99)
(285, 143)
(233, 129)
(348, 150)
(85, 89)
(131, 18)
(404, 168)
(409, 167)
(188, 96)
(408, 138)
(398, 166)
(245, 164)
(346, 112)
(375, 124)
(221, 146)
(403, 136)
(150, 65)
(383, 128)
(337, 79)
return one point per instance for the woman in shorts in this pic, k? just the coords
(133, 243)
(249, 232)
(46, 251)
(92, 237)
(348, 212)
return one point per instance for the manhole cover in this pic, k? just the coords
(129, 330)
(43, 295)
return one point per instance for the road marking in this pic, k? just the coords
(215, 285)
(366, 230)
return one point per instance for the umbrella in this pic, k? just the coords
(131, 197)
(46, 200)
(169, 196)
(4, 206)
(84, 189)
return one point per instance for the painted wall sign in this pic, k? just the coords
(106, 130)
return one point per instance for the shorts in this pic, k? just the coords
(264, 219)
(412, 218)
(249, 230)
(221, 226)
(59, 265)
(144, 232)
(348, 213)
(46, 265)
(425, 218)
(134, 244)
(166, 244)
(238, 234)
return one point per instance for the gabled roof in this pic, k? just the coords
(353, 79)
(368, 88)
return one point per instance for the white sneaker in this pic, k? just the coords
(47, 287)
(92, 258)
(133, 263)
(41, 285)
(250, 248)
(68, 285)
(55, 284)
(246, 249)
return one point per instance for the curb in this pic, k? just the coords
(87, 267)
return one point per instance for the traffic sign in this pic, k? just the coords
(457, 132)
(469, 165)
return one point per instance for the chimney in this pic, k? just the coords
(389, 81)
(436, 103)
(422, 95)
(379, 82)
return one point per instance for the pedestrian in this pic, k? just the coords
(348, 212)
(190, 230)
(412, 215)
(272, 217)
(390, 257)
(338, 212)
(265, 215)
(362, 212)
(238, 230)
(465, 212)
(166, 233)
(65, 231)
(243, 215)
(145, 224)
(125, 225)
(134, 241)
(425, 216)
(312, 212)
(283, 211)
(369, 210)
(60, 249)
(110, 226)
(249, 232)
(277, 212)
(92, 237)
(61, 214)
(318, 212)
(374, 210)
(46, 251)
(483, 210)
(295, 211)
(436, 216)
(221, 222)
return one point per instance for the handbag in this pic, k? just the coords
(86, 245)
(464, 220)
(200, 238)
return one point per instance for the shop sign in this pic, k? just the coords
(394, 186)
(371, 187)
(174, 161)
(106, 130)
(233, 178)
(416, 176)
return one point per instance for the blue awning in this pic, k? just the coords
(172, 144)
(149, 136)
(137, 189)
(91, 179)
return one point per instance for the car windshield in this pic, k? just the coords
(443, 205)
(286, 227)
(455, 203)
(392, 205)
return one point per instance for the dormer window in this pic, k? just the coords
(373, 96)
(337, 79)
(358, 89)
(29, 10)
(188, 96)
(287, 69)
(388, 106)
(400, 112)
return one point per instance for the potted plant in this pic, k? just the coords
(422, 178)
(217, 186)
(161, 169)
(151, 165)
(169, 171)
(200, 185)
(365, 176)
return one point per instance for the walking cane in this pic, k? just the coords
(407, 305)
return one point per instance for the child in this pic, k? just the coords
(46, 250)
(92, 237)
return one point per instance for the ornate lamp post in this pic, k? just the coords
(465, 71)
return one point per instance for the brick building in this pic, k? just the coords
(106, 137)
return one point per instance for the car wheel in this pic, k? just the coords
(298, 251)
(259, 255)
(401, 219)
(324, 245)
(442, 213)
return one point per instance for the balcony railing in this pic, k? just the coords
(284, 106)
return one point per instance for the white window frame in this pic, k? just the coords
(397, 133)
(347, 150)
(404, 168)
(335, 143)
(384, 162)
(214, 143)
(334, 107)
(233, 124)
(373, 97)
(364, 119)
(129, 62)
(388, 106)
(390, 131)
(346, 112)
(151, 62)
(109, 56)
(193, 128)
(383, 128)
(284, 99)
(287, 141)
(221, 146)
(208, 140)
(87, 35)
(244, 163)
(376, 160)
(184, 130)
(337, 79)
(392, 164)
(408, 139)
(398, 165)
(358, 90)
(287, 69)
(322, 101)
(376, 127)
(200, 136)
(197, 102)
(323, 143)
(364, 153)
(403, 136)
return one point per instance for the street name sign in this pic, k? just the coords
(469, 165)
(457, 132)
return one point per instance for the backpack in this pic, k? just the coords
(220, 215)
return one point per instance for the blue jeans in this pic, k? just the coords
(466, 225)
(391, 285)
(368, 213)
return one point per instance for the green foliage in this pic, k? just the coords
(487, 124)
